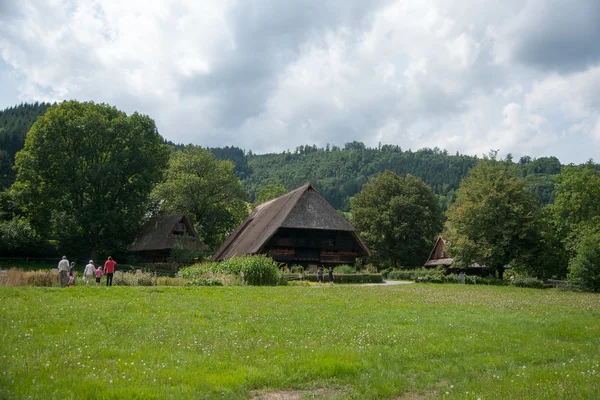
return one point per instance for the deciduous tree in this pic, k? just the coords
(493, 219)
(398, 217)
(270, 192)
(206, 189)
(85, 174)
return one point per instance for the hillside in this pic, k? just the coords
(14, 124)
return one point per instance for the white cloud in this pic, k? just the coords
(267, 76)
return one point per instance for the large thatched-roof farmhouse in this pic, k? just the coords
(297, 228)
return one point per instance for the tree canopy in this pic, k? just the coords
(270, 192)
(85, 174)
(398, 217)
(492, 220)
(204, 188)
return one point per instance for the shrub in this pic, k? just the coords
(254, 270)
(344, 269)
(406, 275)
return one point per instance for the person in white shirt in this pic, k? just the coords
(89, 272)
(63, 270)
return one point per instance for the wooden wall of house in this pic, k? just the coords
(312, 246)
(438, 252)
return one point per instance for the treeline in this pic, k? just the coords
(340, 173)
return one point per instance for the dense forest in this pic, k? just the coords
(338, 173)
(14, 124)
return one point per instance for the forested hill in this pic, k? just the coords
(340, 173)
(14, 124)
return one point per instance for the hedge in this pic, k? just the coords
(346, 278)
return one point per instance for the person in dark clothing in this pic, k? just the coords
(330, 275)
(320, 275)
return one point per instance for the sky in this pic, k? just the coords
(518, 76)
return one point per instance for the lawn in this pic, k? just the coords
(407, 342)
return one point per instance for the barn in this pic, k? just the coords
(297, 228)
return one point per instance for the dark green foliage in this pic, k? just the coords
(85, 174)
(236, 156)
(269, 192)
(349, 278)
(398, 218)
(15, 122)
(584, 268)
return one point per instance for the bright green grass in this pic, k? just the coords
(438, 341)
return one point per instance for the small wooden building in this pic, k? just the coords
(438, 255)
(297, 228)
(161, 234)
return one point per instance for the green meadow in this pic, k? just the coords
(391, 342)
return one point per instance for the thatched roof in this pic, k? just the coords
(301, 208)
(166, 232)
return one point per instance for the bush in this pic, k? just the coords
(349, 278)
(584, 268)
(344, 269)
(407, 275)
(254, 270)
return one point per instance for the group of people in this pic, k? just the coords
(320, 272)
(66, 270)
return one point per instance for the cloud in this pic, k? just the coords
(555, 35)
(269, 75)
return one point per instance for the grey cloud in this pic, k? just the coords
(560, 35)
(268, 36)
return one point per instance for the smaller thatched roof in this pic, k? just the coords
(164, 232)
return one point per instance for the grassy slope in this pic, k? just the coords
(367, 342)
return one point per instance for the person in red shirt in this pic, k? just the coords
(109, 270)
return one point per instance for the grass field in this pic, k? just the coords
(401, 342)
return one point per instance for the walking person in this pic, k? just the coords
(98, 275)
(89, 272)
(109, 270)
(330, 273)
(63, 270)
(461, 277)
(72, 274)
(320, 275)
